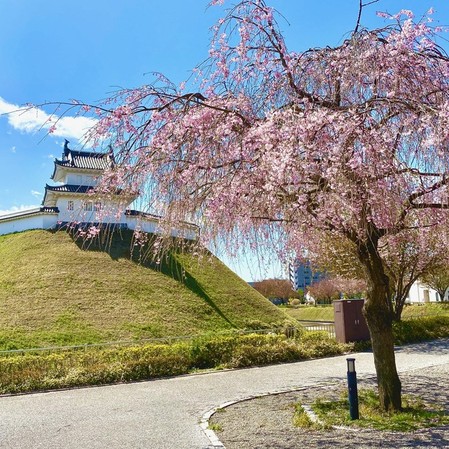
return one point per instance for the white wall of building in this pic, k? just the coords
(420, 294)
(84, 208)
(23, 223)
(153, 225)
(145, 225)
(75, 209)
(80, 180)
(188, 232)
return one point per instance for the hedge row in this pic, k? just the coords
(421, 329)
(30, 372)
(93, 366)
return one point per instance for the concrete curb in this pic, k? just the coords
(215, 440)
(204, 421)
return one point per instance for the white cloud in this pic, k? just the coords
(34, 119)
(36, 194)
(14, 209)
(13, 149)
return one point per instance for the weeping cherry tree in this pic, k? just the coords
(351, 140)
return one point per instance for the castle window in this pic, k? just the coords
(70, 205)
(87, 206)
(97, 206)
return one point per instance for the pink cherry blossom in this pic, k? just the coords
(275, 145)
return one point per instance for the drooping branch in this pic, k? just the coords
(359, 15)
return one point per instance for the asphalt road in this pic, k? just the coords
(165, 413)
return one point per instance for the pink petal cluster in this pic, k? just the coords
(352, 139)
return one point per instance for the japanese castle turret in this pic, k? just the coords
(78, 173)
(73, 200)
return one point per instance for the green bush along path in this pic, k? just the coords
(42, 370)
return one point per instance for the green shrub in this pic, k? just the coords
(256, 325)
(281, 351)
(421, 329)
(313, 337)
(32, 372)
(319, 344)
(208, 352)
(155, 361)
(93, 366)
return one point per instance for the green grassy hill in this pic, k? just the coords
(55, 292)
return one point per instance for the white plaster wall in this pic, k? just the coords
(152, 226)
(18, 224)
(141, 224)
(110, 212)
(420, 293)
(77, 179)
(185, 233)
(49, 221)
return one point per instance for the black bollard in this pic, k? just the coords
(352, 390)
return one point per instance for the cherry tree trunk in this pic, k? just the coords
(401, 297)
(380, 323)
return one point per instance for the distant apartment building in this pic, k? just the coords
(302, 274)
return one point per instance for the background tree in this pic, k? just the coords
(351, 288)
(332, 288)
(300, 295)
(275, 288)
(438, 279)
(324, 291)
(407, 257)
(275, 143)
(337, 255)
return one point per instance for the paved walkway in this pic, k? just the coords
(165, 413)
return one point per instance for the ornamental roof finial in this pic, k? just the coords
(111, 158)
(66, 149)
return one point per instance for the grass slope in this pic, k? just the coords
(54, 292)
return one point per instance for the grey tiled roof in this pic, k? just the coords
(65, 188)
(49, 210)
(138, 213)
(30, 212)
(69, 188)
(85, 159)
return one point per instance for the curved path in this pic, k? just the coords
(166, 413)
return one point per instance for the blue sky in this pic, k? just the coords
(52, 50)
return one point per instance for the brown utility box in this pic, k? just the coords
(350, 324)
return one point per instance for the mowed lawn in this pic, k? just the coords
(58, 291)
(326, 313)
